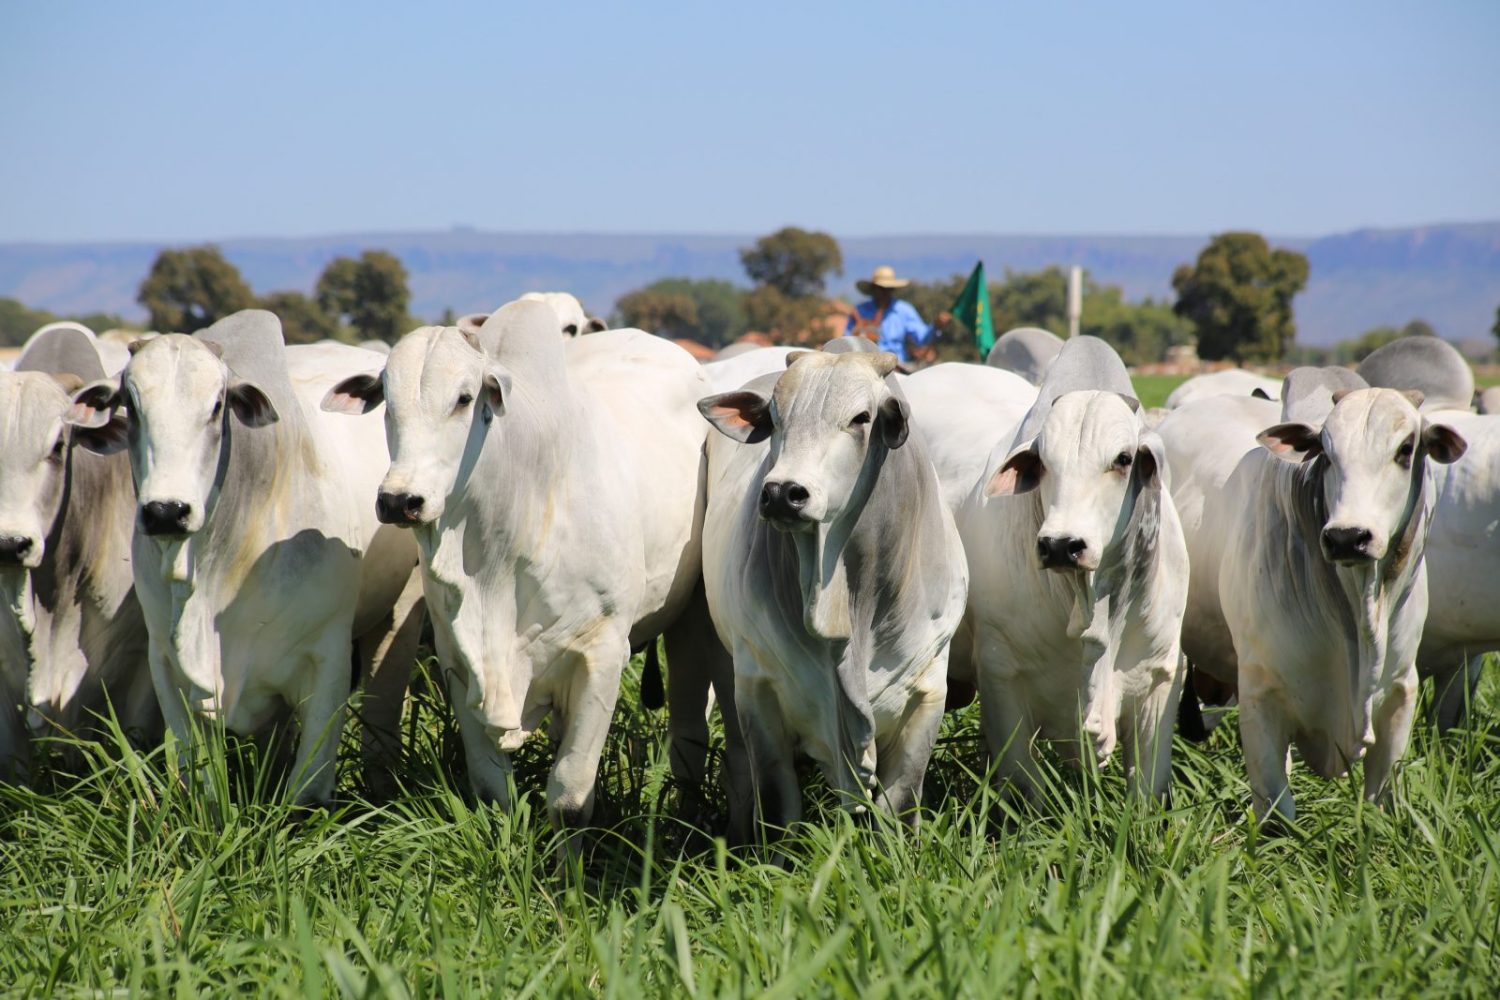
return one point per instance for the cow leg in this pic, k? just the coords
(1148, 749)
(320, 718)
(1454, 686)
(585, 716)
(1392, 726)
(490, 769)
(901, 760)
(1266, 738)
(692, 647)
(171, 699)
(739, 787)
(387, 654)
(141, 719)
(770, 749)
(1008, 734)
(15, 742)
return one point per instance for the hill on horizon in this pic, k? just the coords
(1446, 274)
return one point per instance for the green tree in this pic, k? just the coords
(795, 262)
(18, 322)
(192, 288)
(369, 293)
(786, 319)
(670, 314)
(720, 305)
(1238, 296)
(303, 321)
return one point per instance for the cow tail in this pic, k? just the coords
(653, 693)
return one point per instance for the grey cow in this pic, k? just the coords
(71, 634)
(835, 577)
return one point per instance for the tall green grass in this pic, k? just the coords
(127, 879)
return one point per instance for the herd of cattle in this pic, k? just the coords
(834, 552)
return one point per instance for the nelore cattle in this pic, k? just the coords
(1311, 588)
(555, 491)
(72, 640)
(1077, 565)
(251, 549)
(835, 577)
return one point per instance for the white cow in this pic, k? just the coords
(835, 577)
(1317, 538)
(554, 487)
(1027, 350)
(571, 318)
(1077, 563)
(72, 641)
(1229, 382)
(252, 534)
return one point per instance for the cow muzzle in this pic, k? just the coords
(19, 550)
(1348, 546)
(784, 503)
(401, 509)
(1062, 552)
(165, 517)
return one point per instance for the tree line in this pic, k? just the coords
(1234, 302)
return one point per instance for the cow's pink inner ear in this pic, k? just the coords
(729, 416)
(1021, 473)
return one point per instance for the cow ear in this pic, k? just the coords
(1291, 442)
(1021, 473)
(496, 387)
(895, 421)
(742, 415)
(94, 403)
(355, 395)
(1151, 462)
(1130, 401)
(472, 322)
(251, 404)
(1259, 393)
(1443, 443)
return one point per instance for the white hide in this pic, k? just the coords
(839, 616)
(1323, 632)
(1095, 645)
(554, 489)
(251, 599)
(1229, 382)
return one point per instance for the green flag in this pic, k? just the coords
(972, 307)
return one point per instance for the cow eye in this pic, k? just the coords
(1123, 460)
(1404, 453)
(571, 329)
(464, 399)
(57, 448)
(218, 409)
(860, 418)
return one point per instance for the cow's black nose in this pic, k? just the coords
(165, 517)
(1347, 544)
(13, 549)
(783, 501)
(399, 508)
(1060, 551)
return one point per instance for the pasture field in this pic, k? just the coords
(124, 880)
(1153, 390)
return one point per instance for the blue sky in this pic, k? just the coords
(177, 121)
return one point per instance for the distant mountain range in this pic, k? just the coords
(1448, 275)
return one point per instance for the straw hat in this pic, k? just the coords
(884, 277)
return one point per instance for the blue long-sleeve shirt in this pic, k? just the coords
(899, 322)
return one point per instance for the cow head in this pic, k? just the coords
(824, 417)
(440, 391)
(176, 398)
(571, 318)
(1374, 443)
(1089, 461)
(34, 442)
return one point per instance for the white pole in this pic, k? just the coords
(1075, 300)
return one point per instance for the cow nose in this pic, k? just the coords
(165, 517)
(783, 501)
(1347, 544)
(399, 508)
(1060, 551)
(13, 549)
